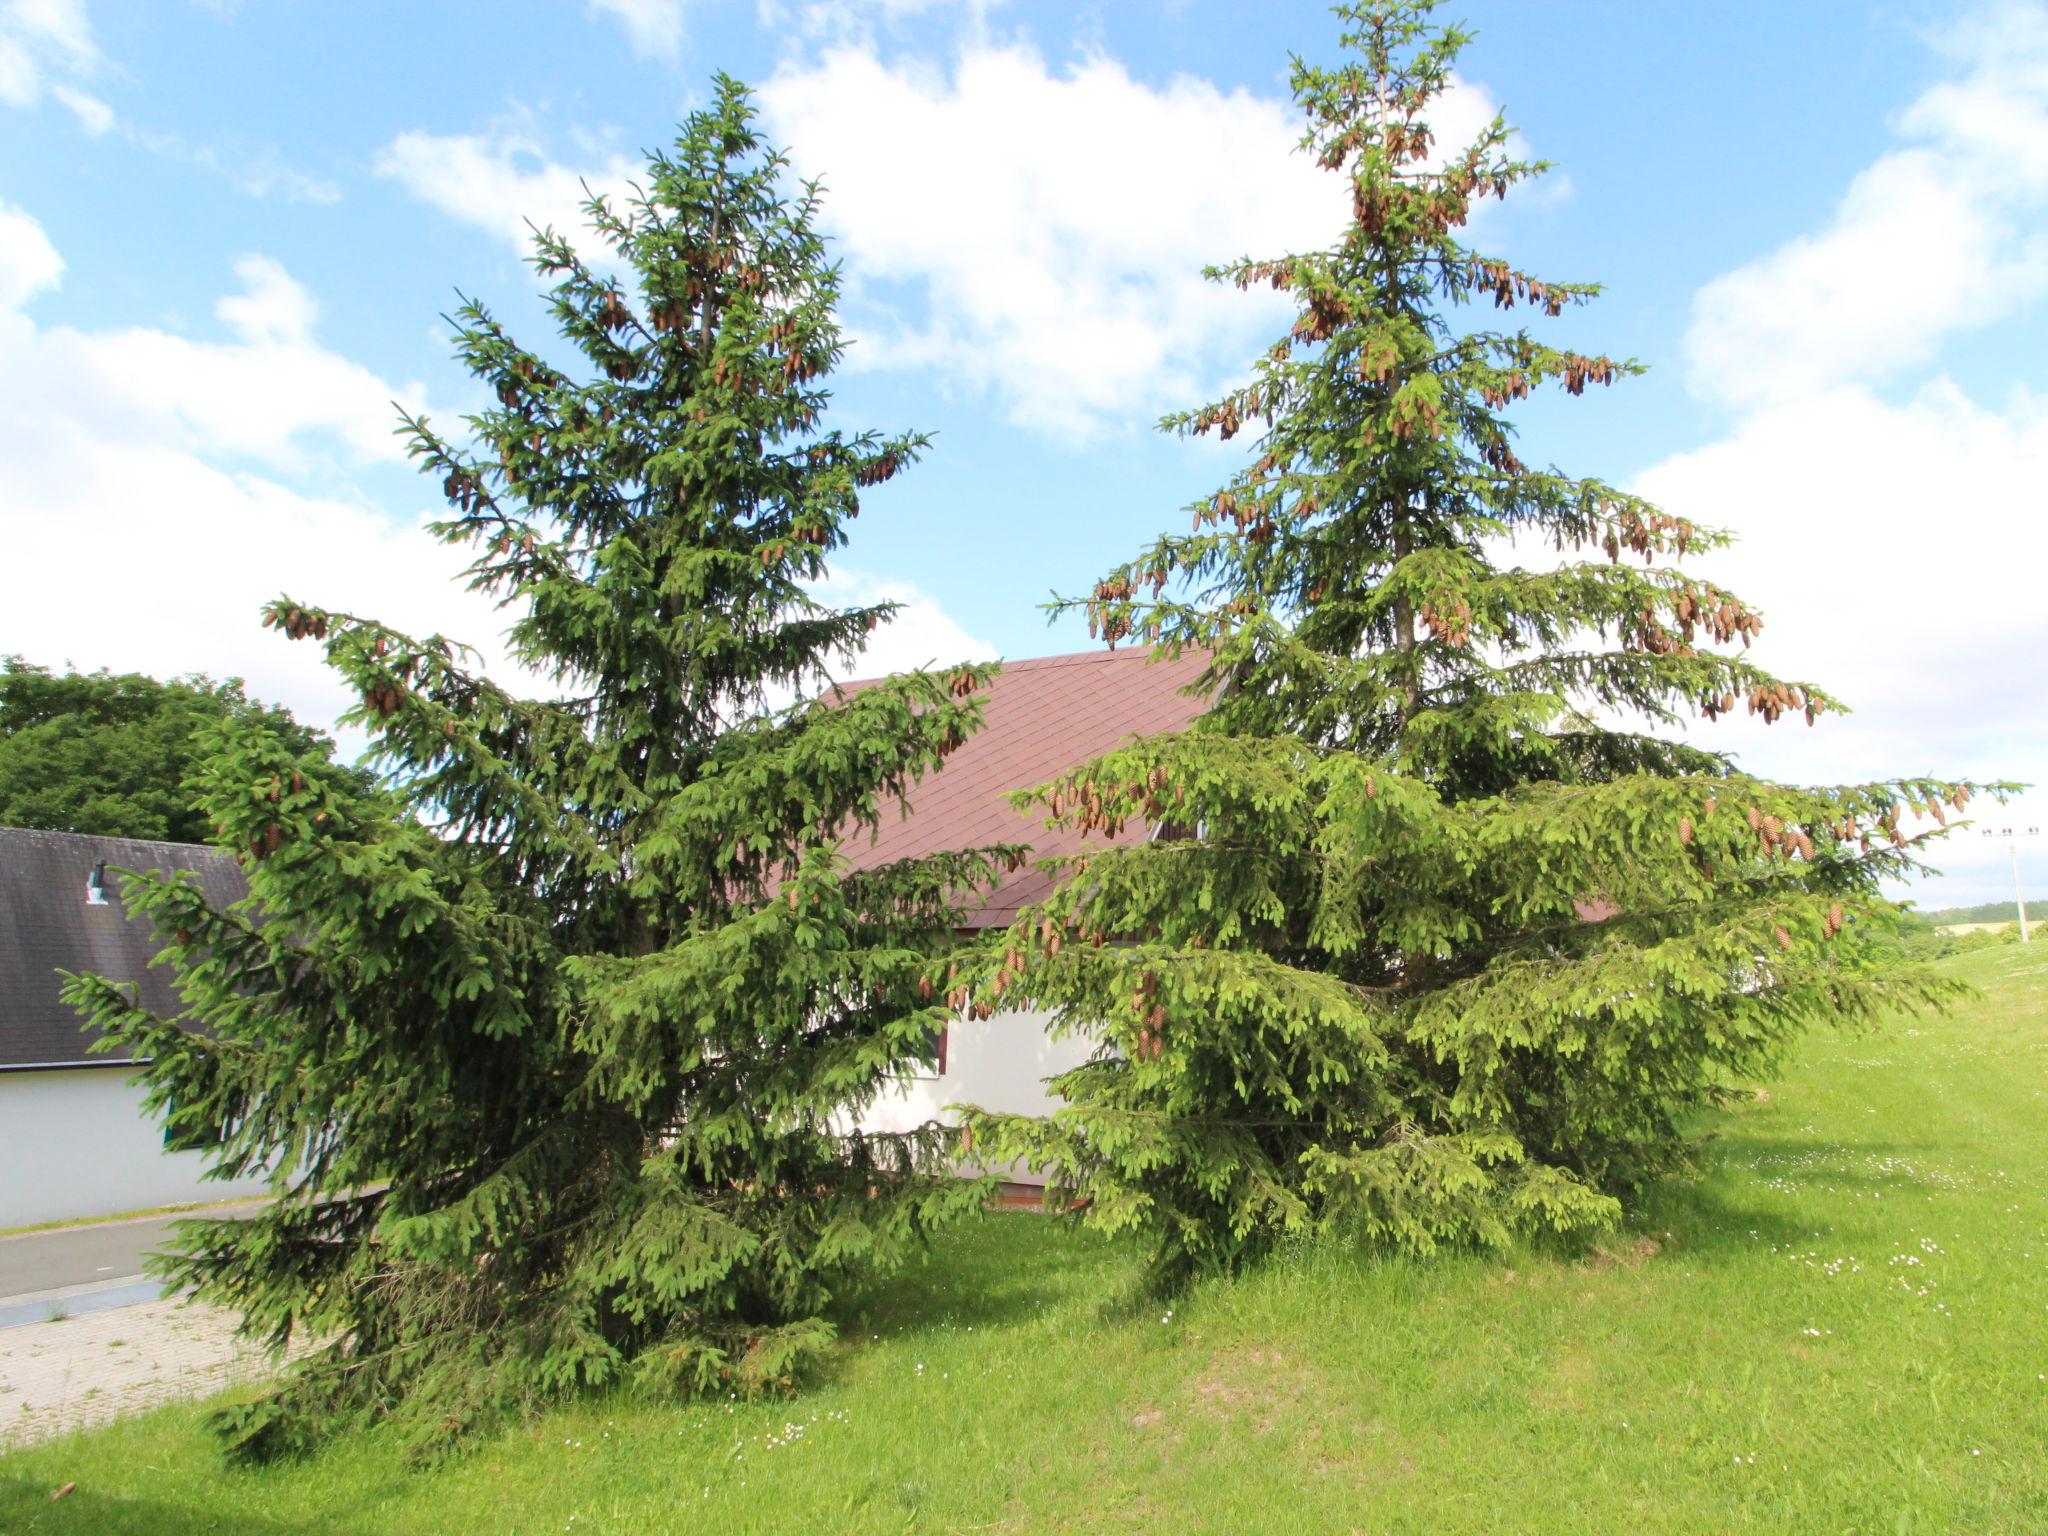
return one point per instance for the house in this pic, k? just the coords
(1041, 717)
(73, 1138)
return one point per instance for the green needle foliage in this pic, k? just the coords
(1442, 941)
(550, 1041)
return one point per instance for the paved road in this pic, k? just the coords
(105, 1343)
(33, 1262)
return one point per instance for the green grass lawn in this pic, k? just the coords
(1842, 1327)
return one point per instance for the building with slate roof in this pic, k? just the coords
(74, 1140)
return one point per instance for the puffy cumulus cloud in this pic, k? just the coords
(1897, 552)
(140, 536)
(1939, 233)
(654, 27)
(271, 307)
(1033, 234)
(1890, 522)
(139, 556)
(1038, 234)
(46, 48)
(29, 263)
(270, 392)
(135, 539)
(502, 182)
(922, 634)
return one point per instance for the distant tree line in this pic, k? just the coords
(1983, 912)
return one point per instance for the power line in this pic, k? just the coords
(2012, 836)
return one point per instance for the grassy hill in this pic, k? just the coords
(1839, 1327)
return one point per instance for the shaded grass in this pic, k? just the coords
(1840, 1326)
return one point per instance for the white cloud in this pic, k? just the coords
(1937, 234)
(29, 263)
(260, 174)
(93, 115)
(1897, 551)
(271, 393)
(19, 83)
(271, 307)
(1891, 523)
(1034, 234)
(922, 634)
(268, 176)
(137, 539)
(47, 45)
(47, 48)
(59, 25)
(131, 544)
(500, 182)
(141, 556)
(654, 27)
(1050, 226)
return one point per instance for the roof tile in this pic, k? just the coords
(1041, 717)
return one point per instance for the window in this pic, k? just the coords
(932, 1059)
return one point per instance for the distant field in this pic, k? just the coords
(1842, 1326)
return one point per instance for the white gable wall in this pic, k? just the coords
(998, 1063)
(74, 1142)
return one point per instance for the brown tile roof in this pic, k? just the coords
(1041, 717)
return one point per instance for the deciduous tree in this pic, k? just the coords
(110, 754)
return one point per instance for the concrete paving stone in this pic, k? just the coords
(77, 1371)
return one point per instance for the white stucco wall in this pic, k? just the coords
(998, 1063)
(75, 1142)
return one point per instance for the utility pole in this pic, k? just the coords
(2012, 836)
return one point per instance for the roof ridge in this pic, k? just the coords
(1145, 652)
(1085, 658)
(110, 837)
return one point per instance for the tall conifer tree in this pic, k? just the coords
(550, 1042)
(1444, 940)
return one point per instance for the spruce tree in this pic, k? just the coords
(1446, 934)
(551, 1041)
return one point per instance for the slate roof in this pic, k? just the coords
(1041, 717)
(46, 923)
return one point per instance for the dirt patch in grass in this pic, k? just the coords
(1256, 1386)
(1567, 1386)
(1633, 1253)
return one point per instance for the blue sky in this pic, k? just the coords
(227, 230)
